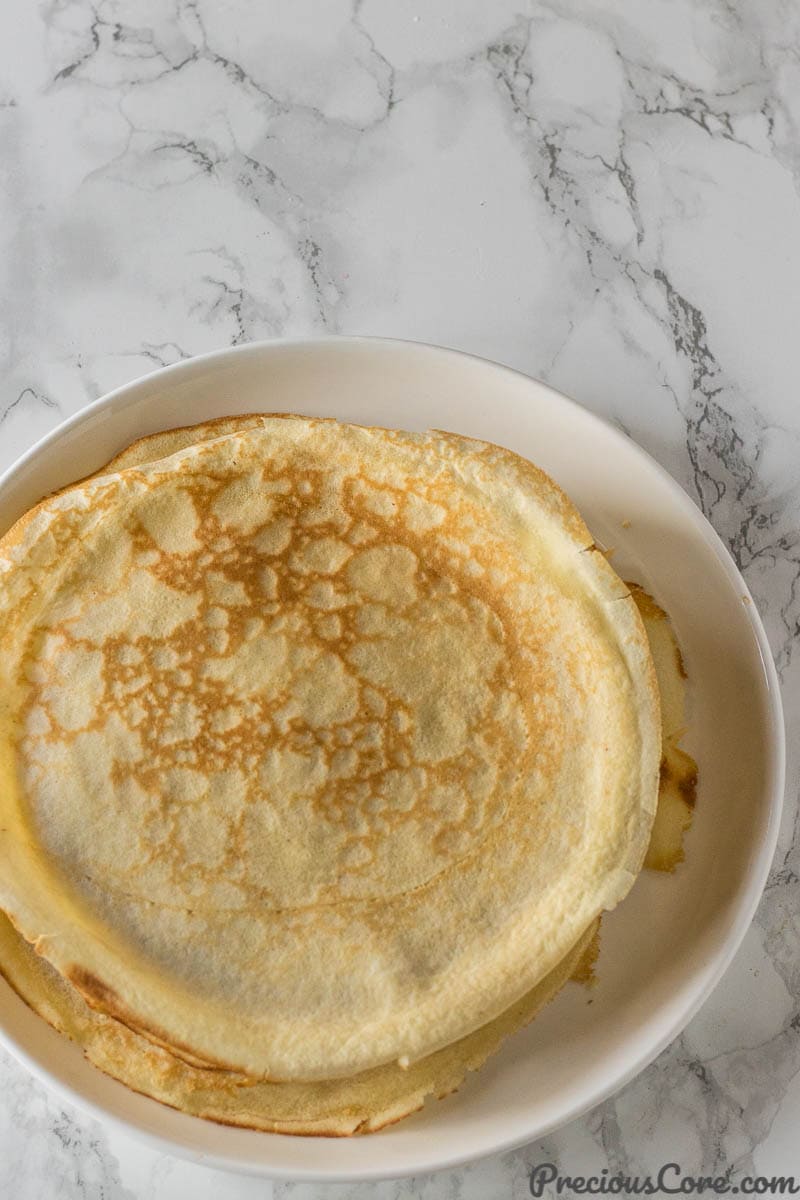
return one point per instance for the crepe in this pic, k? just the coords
(154, 446)
(334, 1108)
(367, 1102)
(678, 783)
(430, 752)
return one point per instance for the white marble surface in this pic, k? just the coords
(603, 193)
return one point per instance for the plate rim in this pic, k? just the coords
(747, 899)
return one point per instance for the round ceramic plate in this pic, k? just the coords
(667, 945)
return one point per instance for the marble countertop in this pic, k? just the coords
(603, 193)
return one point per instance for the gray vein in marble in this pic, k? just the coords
(23, 397)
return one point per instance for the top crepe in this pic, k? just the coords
(320, 745)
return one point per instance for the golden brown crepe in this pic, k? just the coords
(678, 784)
(364, 1103)
(321, 745)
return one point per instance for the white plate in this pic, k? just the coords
(667, 945)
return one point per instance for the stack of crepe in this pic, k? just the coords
(323, 749)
